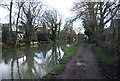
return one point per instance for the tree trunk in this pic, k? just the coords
(10, 19)
(18, 15)
(10, 22)
(17, 28)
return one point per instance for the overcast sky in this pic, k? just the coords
(63, 6)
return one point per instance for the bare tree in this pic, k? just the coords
(53, 20)
(19, 4)
(87, 11)
(9, 7)
(31, 11)
(107, 11)
(10, 19)
(96, 14)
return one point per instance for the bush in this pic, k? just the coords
(6, 37)
(5, 34)
(105, 56)
(41, 37)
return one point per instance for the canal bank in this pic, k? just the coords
(82, 65)
(57, 69)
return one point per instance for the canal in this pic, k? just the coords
(30, 62)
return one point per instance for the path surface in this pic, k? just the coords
(81, 66)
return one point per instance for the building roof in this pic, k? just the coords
(5, 25)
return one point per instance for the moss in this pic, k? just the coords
(106, 56)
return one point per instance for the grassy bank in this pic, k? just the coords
(105, 56)
(69, 52)
(107, 63)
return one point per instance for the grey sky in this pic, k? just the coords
(63, 6)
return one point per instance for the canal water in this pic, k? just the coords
(30, 62)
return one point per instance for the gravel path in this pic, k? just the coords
(81, 66)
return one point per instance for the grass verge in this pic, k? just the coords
(105, 56)
(69, 52)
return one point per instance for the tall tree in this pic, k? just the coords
(70, 33)
(9, 7)
(10, 19)
(96, 15)
(87, 11)
(31, 11)
(19, 5)
(53, 21)
(107, 11)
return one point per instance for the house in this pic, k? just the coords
(43, 29)
(19, 30)
(5, 26)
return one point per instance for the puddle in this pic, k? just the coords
(81, 63)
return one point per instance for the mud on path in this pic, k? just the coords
(81, 66)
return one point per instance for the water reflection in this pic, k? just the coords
(30, 63)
